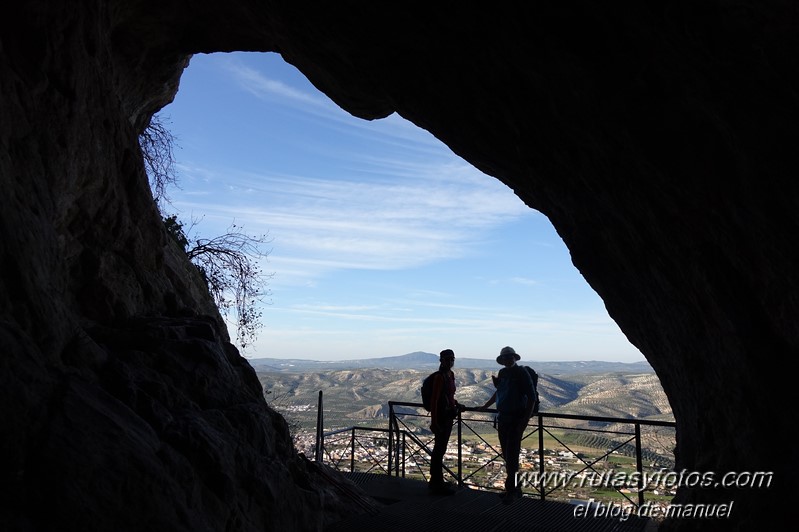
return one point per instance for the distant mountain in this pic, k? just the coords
(421, 360)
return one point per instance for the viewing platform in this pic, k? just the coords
(409, 506)
(390, 466)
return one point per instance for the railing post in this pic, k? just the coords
(541, 456)
(402, 450)
(460, 452)
(391, 422)
(639, 465)
(352, 452)
(320, 437)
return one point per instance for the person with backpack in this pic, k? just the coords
(443, 410)
(516, 398)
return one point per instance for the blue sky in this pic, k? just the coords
(382, 241)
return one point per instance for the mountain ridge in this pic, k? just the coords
(423, 360)
(362, 394)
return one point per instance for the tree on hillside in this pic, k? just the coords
(229, 263)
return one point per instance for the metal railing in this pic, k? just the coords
(405, 447)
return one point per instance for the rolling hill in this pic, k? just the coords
(355, 395)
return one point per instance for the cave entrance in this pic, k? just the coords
(383, 242)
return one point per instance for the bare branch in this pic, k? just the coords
(229, 263)
(230, 267)
(157, 146)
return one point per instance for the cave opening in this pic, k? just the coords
(382, 240)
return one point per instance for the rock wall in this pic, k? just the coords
(123, 404)
(657, 138)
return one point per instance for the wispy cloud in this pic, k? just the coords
(396, 133)
(542, 335)
(392, 196)
(497, 324)
(261, 86)
(380, 224)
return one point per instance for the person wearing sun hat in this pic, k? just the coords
(514, 396)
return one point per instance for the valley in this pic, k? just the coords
(359, 395)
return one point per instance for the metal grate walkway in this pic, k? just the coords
(409, 507)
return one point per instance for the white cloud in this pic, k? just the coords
(261, 86)
(524, 281)
(335, 224)
(404, 201)
(541, 336)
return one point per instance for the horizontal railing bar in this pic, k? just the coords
(649, 422)
(356, 427)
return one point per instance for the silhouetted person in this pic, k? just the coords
(515, 401)
(444, 409)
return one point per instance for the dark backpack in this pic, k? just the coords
(534, 378)
(427, 391)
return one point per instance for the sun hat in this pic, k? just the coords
(507, 352)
